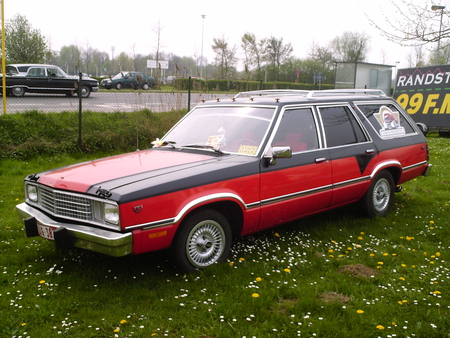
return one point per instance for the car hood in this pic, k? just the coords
(130, 173)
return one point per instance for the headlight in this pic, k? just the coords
(32, 193)
(111, 213)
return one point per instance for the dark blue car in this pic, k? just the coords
(134, 80)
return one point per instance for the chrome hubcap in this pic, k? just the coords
(381, 195)
(205, 243)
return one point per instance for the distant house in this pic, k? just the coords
(362, 75)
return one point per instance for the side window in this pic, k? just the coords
(36, 72)
(340, 126)
(387, 120)
(297, 130)
(52, 71)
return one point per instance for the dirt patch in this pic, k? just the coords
(333, 297)
(284, 306)
(358, 270)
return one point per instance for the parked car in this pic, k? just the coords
(45, 79)
(229, 168)
(132, 80)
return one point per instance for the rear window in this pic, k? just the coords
(11, 70)
(387, 120)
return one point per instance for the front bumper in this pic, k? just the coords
(68, 235)
(106, 85)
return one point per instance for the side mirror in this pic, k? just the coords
(278, 152)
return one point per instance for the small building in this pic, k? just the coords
(363, 75)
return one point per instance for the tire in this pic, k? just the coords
(203, 239)
(85, 92)
(145, 86)
(379, 198)
(18, 91)
(118, 86)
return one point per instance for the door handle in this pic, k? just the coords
(320, 160)
(370, 151)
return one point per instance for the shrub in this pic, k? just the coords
(33, 133)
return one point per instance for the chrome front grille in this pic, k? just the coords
(66, 205)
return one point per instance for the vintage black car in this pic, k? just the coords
(45, 79)
(134, 80)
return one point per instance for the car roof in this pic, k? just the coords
(30, 65)
(287, 96)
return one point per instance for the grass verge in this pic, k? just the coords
(331, 275)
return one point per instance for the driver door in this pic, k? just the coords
(301, 185)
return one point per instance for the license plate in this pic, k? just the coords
(45, 231)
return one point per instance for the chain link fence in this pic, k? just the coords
(107, 120)
(109, 101)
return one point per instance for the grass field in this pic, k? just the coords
(331, 275)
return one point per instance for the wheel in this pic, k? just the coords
(18, 91)
(378, 200)
(145, 86)
(85, 92)
(118, 86)
(203, 239)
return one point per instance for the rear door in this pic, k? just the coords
(300, 185)
(37, 79)
(351, 152)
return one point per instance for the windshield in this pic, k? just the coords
(57, 72)
(230, 129)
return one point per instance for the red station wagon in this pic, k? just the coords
(229, 168)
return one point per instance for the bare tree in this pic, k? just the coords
(254, 52)
(324, 56)
(277, 53)
(410, 23)
(416, 57)
(157, 29)
(350, 46)
(225, 57)
(70, 58)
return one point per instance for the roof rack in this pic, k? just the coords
(312, 93)
(273, 92)
(372, 92)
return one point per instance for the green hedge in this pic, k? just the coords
(30, 134)
(239, 86)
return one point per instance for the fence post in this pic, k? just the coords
(189, 93)
(80, 88)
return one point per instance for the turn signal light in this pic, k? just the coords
(158, 234)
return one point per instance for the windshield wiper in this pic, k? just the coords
(199, 146)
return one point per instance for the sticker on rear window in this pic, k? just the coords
(390, 122)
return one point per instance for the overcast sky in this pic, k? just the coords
(129, 25)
